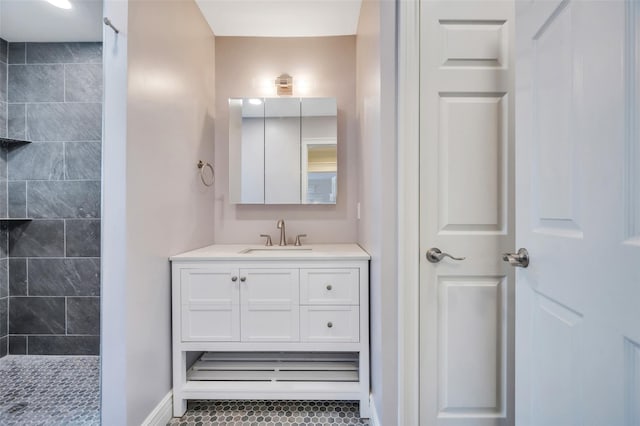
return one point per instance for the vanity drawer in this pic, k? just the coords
(330, 323)
(329, 286)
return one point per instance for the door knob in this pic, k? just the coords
(435, 255)
(519, 259)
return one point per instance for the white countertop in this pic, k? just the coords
(260, 252)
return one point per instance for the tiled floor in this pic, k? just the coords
(269, 413)
(49, 390)
(64, 390)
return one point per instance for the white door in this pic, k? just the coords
(466, 205)
(210, 300)
(578, 213)
(270, 305)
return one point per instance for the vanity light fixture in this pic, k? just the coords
(255, 101)
(284, 85)
(62, 4)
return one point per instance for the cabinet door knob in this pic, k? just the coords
(329, 324)
(234, 279)
(329, 286)
(243, 279)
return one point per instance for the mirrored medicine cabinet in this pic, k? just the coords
(283, 151)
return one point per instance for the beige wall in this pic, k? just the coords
(377, 230)
(167, 210)
(242, 63)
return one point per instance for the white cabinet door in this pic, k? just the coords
(210, 304)
(270, 305)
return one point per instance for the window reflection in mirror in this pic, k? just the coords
(319, 151)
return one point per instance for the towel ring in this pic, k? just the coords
(202, 165)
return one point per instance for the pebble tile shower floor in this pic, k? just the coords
(49, 390)
(269, 413)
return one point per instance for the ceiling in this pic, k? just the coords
(40, 21)
(281, 18)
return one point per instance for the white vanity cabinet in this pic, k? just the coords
(271, 324)
(230, 305)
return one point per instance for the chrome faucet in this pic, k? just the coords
(283, 237)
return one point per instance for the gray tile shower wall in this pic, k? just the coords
(4, 238)
(3, 87)
(53, 99)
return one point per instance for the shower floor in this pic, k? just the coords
(49, 390)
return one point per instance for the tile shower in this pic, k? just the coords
(50, 95)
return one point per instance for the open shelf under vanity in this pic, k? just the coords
(274, 376)
(285, 367)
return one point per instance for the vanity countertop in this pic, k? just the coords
(260, 252)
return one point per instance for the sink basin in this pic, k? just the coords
(277, 249)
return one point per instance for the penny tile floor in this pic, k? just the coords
(49, 390)
(269, 413)
(64, 390)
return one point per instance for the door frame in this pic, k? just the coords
(408, 275)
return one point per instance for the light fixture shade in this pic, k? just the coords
(284, 84)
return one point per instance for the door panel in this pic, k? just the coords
(466, 205)
(632, 372)
(474, 43)
(471, 322)
(472, 136)
(270, 305)
(557, 328)
(555, 154)
(577, 318)
(210, 305)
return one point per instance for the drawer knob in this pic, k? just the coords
(329, 324)
(234, 279)
(329, 287)
(243, 279)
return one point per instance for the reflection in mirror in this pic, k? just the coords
(319, 151)
(246, 154)
(282, 151)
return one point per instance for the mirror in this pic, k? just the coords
(283, 151)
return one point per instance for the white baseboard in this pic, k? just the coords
(374, 420)
(162, 413)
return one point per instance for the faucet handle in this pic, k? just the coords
(298, 242)
(268, 237)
